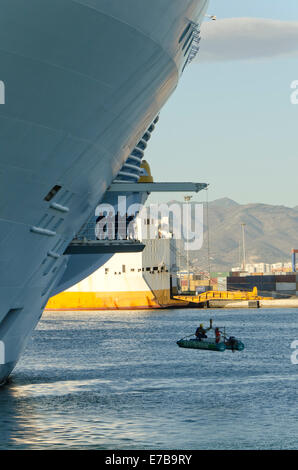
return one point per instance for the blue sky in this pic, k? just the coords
(231, 123)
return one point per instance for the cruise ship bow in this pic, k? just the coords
(83, 81)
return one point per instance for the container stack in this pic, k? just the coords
(285, 285)
(194, 283)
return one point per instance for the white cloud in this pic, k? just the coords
(248, 38)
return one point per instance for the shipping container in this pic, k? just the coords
(203, 282)
(220, 274)
(236, 279)
(286, 286)
(286, 278)
(201, 289)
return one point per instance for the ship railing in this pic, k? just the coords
(102, 230)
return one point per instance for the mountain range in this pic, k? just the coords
(270, 234)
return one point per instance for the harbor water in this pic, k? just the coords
(118, 380)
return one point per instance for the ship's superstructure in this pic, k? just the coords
(84, 79)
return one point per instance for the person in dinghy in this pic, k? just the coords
(201, 331)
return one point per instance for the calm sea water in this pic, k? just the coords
(117, 380)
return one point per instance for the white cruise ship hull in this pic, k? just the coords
(83, 80)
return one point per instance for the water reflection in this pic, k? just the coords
(101, 380)
(17, 418)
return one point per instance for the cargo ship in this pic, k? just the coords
(84, 83)
(144, 280)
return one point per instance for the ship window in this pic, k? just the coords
(147, 269)
(132, 269)
(137, 153)
(123, 268)
(52, 193)
(146, 136)
(185, 32)
(155, 268)
(141, 145)
(106, 270)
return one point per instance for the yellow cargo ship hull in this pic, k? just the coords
(113, 301)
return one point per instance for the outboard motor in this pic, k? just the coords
(232, 341)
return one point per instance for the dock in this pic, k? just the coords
(225, 299)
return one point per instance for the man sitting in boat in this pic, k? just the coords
(200, 332)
